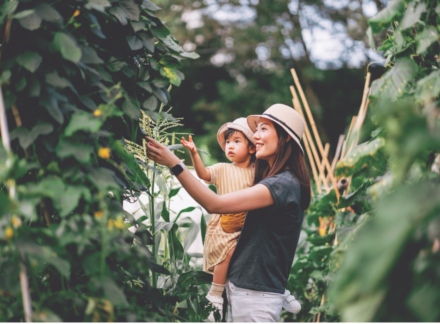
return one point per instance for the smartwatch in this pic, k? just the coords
(177, 169)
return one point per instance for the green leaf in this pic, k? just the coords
(5, 76)
(89, 56)
(428, 87)
(171, 75)
(131, 8)
(384, 17)
(371, 38)
(363, 155)
(150, 6)
(165, 214)
(160, 31)
(51, 105)
(64, 44)
(99, 5)
(174, 192)
(29, 60)
(170, 62)
(134, 43)
(114, 65)
(67, 148)
(82, 121)
(192, 55)
(137, 25)
(186, 210)
(48, 13)
(412, 15)
(7, 8)
(203, 228)
(23, 14)
(147, 41)
(213, 188)
(103, 179)
(191, 235)
(120, 14)
(428, 36)
(150, 103)
(27, 137)
(145, 85)
(31, 21)
(130, 161)
(55, 80)
(392, 84)
(131, 108)
(113, 293)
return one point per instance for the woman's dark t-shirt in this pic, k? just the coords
(264, 253)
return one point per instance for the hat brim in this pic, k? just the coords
(253, 120)
(221, 133)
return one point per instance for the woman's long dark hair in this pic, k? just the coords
(288, 156)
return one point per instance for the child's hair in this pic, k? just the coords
(232, 131)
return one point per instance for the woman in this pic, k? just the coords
(260, 265)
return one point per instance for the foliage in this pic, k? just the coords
(72, 90)
(381, 261)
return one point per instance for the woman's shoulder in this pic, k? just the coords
(285, 178)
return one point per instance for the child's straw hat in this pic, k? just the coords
(288, 118)
(239, 124)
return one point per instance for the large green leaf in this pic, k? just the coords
(412, 14)
(134, 43)
(31, 21)
(130, 161)
(48, 13)
(55, 80)
(171, 75)
(99, 5)
(429, 87)
(150, 6)
(368, 154)
(384, 17)
(69, 148)
(191, 235)
(82, 121)
(29, 60)
(147, 41)
(64, 44)
(392, 84)
(131, 108)
(426, 38)
(27, 137)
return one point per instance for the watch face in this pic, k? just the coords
(176, 170)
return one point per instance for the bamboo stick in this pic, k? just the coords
(315, 131)
(312, 163)
(322, 166)
(307, 134)
(322, 302)
(337, 153)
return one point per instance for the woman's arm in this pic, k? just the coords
(252, 198)
(202, 172)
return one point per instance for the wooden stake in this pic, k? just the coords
(322, 302)
(337, 153)
(307, 137)
(307, 134)
(315, 132)
(312, 164)
(322, 166)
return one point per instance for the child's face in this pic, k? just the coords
(237, 148)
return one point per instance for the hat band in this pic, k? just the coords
(284, 124)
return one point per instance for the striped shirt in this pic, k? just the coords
(227, 178)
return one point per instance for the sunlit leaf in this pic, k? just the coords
(64, 44)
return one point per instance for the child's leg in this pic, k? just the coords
(221, 269)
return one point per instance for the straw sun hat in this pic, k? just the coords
(239, 124)
(288, 118)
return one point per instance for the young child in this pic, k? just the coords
(222, 233)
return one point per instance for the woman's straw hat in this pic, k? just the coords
(239, 124)
(288, 118)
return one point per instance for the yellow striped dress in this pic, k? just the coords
(227, 178)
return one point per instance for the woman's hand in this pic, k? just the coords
(159, 153)
(189, 145)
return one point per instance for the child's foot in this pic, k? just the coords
(217, 303)
(290, 304)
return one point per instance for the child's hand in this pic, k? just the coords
(189, 145)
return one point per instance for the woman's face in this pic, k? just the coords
(266, 138)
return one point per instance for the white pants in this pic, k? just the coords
(247, 305)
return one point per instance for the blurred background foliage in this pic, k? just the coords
(246, 49)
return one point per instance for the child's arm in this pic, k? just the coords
(202, 172)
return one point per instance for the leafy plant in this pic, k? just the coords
(71, 91)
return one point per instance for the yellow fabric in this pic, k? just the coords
(218, 241)
(232, 222)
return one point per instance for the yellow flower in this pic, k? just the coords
(322, 231)
(9, 232)
(99, 214)
(111, 224)
(16, 222)
(104, 152)
(97, 112)
(119, 223)
(76, 13)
